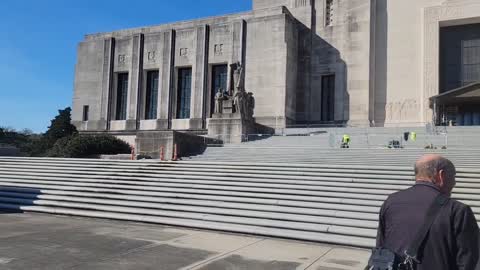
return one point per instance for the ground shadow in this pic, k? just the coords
(13, 198)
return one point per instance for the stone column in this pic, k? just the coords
(107, 80)
(198, 76)
(166, 79)
(238, 51)
(135, 82)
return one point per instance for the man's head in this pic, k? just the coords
(437, 170)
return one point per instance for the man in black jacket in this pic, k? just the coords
(453, 241)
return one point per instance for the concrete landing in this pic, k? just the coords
(36, 241)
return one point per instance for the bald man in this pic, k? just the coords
(453, 241)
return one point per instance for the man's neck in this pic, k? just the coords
(424, 180)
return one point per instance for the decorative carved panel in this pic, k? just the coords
(184, 52)
(301, 3)
(218, 49)
(406, 110)
(122, 59)
(151, 56)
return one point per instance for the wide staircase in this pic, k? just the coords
(467, 158)
(256, 192)
(449, 137)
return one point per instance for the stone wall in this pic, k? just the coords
(384, 55)
(258, 39)
(407, 55)
(150, 144)
(266, 67)
(259, 4)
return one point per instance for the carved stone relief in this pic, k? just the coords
(218, 49)
(300, 3)
(184, 52)
(151, 56)
(122, 59)
(406, 110)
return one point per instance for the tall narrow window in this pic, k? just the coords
(328, 98)
(329, 12)
(459, 56)
(184, 93)
(219, 81)
(470, 61)
(122, 96)
(151, 100)
(85, 112)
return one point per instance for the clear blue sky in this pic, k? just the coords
(38, 40)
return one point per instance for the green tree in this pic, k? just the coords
(60, 127)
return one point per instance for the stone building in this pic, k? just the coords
(353, 62)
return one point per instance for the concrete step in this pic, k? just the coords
(336, 204)
(202, 224)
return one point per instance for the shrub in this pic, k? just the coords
(60, 147)
(83, 146)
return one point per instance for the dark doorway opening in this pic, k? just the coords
(328, 98)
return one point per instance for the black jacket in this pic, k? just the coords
(453, 242)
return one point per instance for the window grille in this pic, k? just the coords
(329, 12)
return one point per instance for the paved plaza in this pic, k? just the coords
(37, 241)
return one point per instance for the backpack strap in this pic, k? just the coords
(412, 251)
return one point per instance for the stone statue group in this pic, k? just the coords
(244, 103)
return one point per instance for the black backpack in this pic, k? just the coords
(385, 259)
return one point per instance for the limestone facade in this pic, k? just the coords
(354, 62)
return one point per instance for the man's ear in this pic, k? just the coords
(441, 178)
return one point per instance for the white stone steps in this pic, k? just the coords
(224, 164)
(193, 163)
(172, 209)
(287, 201)
(193, 192)
(199, 169)
(199, 188)
(336, 204)
(228, 163)
(366, 242)
(258, 175)
(253, 182)
(342, 211)
(263, 222)
(112, 185)
(198, 184)
(234, 181)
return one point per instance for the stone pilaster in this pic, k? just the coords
(135, 82)
(107, 81)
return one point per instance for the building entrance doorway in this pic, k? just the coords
(458, 107)
(328, 99)
(459, 56)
